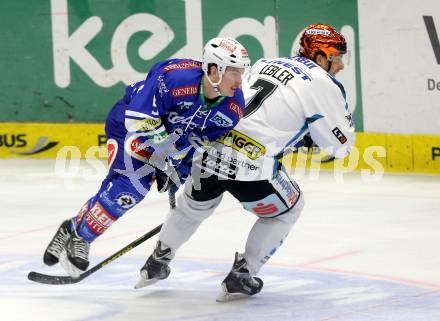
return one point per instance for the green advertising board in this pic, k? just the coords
(69, 60)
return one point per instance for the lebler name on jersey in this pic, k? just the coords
(280, 74)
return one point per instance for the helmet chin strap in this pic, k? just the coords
(330, 62)
(216, 85)
(330, 67)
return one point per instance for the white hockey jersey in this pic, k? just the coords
(285, 99)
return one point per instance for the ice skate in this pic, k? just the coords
(75, 259)
(156, 268)
(239, 283)
(57, 244)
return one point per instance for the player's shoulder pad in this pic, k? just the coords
(181, 73)
(257, 63)
(323, 81)
(338, 84)
(239, 97)
(175, 65)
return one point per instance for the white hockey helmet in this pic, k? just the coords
(224, 52)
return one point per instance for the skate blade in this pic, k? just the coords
(225, 296)
(228, 297)
(142, 283)
(70, 269)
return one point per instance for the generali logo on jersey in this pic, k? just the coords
(184, 91)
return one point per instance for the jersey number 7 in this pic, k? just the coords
(264, 88)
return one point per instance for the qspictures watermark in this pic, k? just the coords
(71, 165)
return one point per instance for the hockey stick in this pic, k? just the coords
(58, 280)
(172, 198)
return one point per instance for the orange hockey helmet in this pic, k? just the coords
(322, 38)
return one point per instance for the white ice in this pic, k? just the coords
(360, 251)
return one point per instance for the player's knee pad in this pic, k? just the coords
(292, 215)
(197, 210)
(102, 210)
(285, 197)
(185, 219)
(273, 206)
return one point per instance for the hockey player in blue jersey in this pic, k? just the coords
(151, 133)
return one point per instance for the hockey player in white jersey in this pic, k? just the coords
(286, 98)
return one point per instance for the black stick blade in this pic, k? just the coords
(52, 279)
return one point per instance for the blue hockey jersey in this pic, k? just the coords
(171, 100)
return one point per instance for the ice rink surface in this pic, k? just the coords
(360, 251)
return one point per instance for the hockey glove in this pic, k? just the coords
(306, 142)
(165, 155)
(165, 183)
